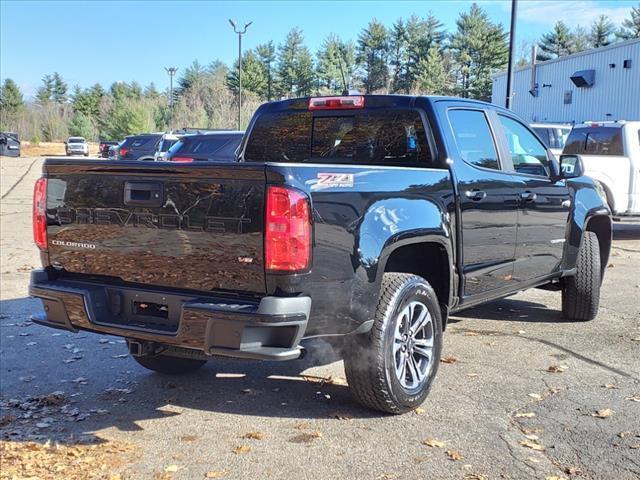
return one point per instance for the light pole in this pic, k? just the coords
(240, 33)
(512, 54)
(171, 71)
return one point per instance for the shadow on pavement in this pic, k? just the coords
(130, 393)
(508, 309)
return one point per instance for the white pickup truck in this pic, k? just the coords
(611, 155)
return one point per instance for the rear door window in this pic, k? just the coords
(473, 138)
(374, 137)
(595, 141)
(203, 146)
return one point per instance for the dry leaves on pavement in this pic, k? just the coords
(525, 415)
(557, 368)
(453, 455)
(604, 413)
(215, 474)
(449, 359)
(242, 449)
(254, 436)
(432, 442)
(533, 445)
(71, 462)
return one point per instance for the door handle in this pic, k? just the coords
(528, 196)
(475, 195)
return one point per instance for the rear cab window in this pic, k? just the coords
(606, 141)
(474, 138)
(379, 136)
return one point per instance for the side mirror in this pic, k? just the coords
(571, 166)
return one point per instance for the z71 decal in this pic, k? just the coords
(340, 180)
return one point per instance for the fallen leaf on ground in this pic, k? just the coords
(610, 386)
(624, 434)
(302, 425)
(474, 476)
(215, 474)
(557, 368)
(449, 359)
(254, 435)
(604, 413)
(470, 334)
(554, 477)
(525, 415)
(634, 398)
(573, 471)
(432, 442)
(419, 410)
(532, 445)
(537, 396)
(635, 447)
(172, 469)
(340, 416)
(306, 437)
(242, 449)
(453, 455)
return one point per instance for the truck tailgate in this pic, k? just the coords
(196, 227)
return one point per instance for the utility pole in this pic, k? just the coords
(240, 33)
(171, 71)
(512, 54)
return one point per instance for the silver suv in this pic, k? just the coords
(77, 146)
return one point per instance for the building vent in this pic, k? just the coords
(568, 94)
(627, 63)
(584, 78)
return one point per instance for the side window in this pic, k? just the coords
(474, 138)
(529, 156)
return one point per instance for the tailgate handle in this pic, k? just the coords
(143, 194)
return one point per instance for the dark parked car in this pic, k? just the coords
(103, 148)
(219, 146)
(9, 144)
(363, 220)
(139, 147)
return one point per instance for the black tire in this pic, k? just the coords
(370, 361)
(169, 365)
(581, 292)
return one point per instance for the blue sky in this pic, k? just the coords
(107, 41)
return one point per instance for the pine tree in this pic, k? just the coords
(267, 55)
(479, 48)
(81, 126)
(398, 44)
(44, 94)
(602, 29)
(59, 89)
(335, 59)
(192, 77)
(422, 36)
(372, 54)
(11, 100)
(151, 92)
(432, 77)
(557, 43)
(295, 66)
(581, 39)
(254, 78)
(631, 26)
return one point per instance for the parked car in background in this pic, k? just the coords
(139, 147)
(219, 146)
(168, 141)
(611, 155)
(554, 135)
(77, 146)
(9, 144)
(103, 148)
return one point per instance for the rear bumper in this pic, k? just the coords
(268, 329)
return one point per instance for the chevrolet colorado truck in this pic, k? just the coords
(365, 220)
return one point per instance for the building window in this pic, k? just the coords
(568, 94)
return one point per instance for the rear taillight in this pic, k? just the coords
(287, 243)
(181, 159)
(40, 213)
(123, 151)
(336, 103)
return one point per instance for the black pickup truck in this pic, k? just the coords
(362, 219)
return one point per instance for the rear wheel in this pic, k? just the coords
(169, 365)
(392, 367)
(581, 292)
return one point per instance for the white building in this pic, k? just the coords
(599, 84)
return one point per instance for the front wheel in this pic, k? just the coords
(392, 367)
(169, 365)
(581, 292)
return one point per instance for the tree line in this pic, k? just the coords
(414, 56)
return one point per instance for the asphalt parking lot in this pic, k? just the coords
(521, 393)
